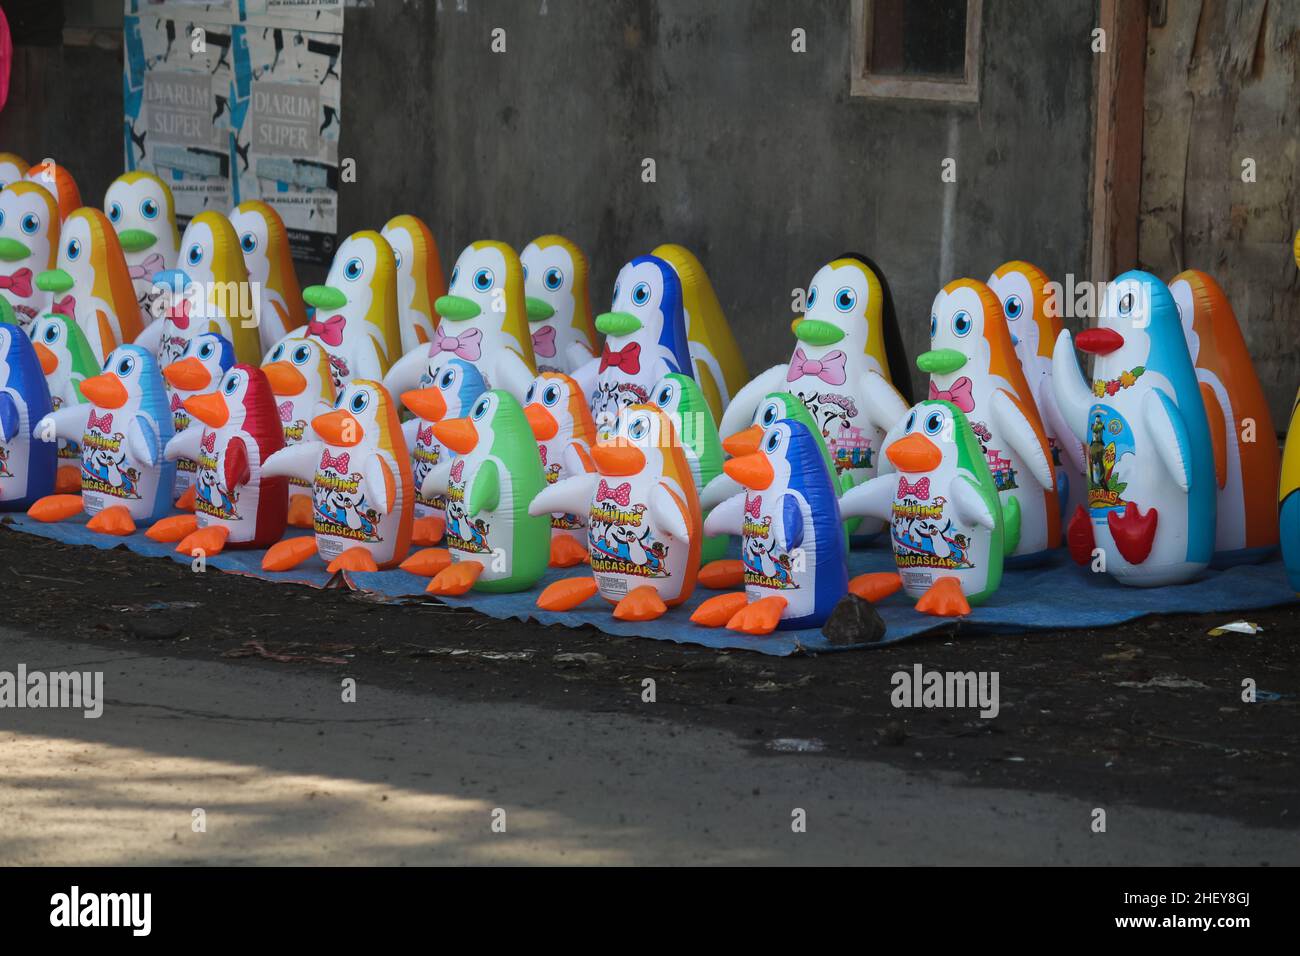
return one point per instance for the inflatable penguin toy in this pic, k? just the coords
(29, 241)
(12, 169)
(643, 520)
(298, 371)
(848, 367)
(559, 304)
(264, 244)
(1032, 318)
(236, 429)
(122, 429)
(58, 182)
(361, 484)
(27, 466)
(1288, 498)
(420, 281)
(90, 283)
(561, 422)
(1246, 458)
(67, 360)
(682, 400)
(201, 365)
(792, 539)
(973, 364)
(141, 209)
(483, 319)
(1151, 482)
(943, 511)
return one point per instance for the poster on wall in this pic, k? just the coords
(239, 100)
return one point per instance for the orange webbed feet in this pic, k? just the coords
(427, 562)
(289, 553)
(210, 540)
(722, 575)
(455, 579)
(186, 501)
(759, 618)
(427, 531)
(641, 604)
(300, 511)
(566, 552)
(115, 520)
(567, 594)
(172, 529)
(353, 559)
(875, 587)
(719, 609)
(55, 507)
(944, 599)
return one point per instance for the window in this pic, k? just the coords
(917, 49)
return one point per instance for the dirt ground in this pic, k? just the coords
(1148, 714)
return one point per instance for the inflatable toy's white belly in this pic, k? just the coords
(772, 570)
(627, 545)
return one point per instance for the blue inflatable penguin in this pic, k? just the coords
(645, 340)
(793, 543)
(1151, 479)
(27, 466)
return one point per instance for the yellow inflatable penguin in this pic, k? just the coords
(559, 304)
(420, 281)
(264, 243)
(140, 207)
(29, 244)
(12, 168)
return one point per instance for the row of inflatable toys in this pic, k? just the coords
(149, 378)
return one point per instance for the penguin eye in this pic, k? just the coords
(30, 223)
(962, 324)
(551, 395)
(524, 269)
(148, 209)
(232, 383)
(528, 396)
(553, 279)
(812, 297)
(114, 212)
(934, 325)
(359, 401)
(911, 421)
(277, 352)
(300, 355)
(933, 422)
(448, 377)
(125, 365)
(769, 414)
(1126, 303)
(664, 397)
(480, 409)
(455, 274)
(641, 294)
(74, 248)
(639, 428)
(51, 333)
(846, 299)
(773, 442)
(483, 279)
(352, 269)
(206, 350)
(617, 286)
(1013, 307)
(248, 242)
(194, 255)
(397, 259)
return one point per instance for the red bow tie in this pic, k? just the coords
(178, 313)
(457, 469)
(753, 505)
(66, 306)
(209, 441)
(286, 411)
(20, 283)
(102, 424)
(339, 464)
(620, 495)
(919, 490)
(330, 331)
(628, 358)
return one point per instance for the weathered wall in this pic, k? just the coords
(1223, 86)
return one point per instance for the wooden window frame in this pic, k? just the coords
(902, 87)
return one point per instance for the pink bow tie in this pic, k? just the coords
(620, 495)
(424, 436)
(20, 283)
(960, 394)
(457, 469)
(339, 464)
(544, 341)
(286, 411)
(465, 345)
(829, 368)
(209, 441)
(152, 265)
(330, 331)
(920, 490)
(102, 424)
(66, 306)
(541, 450)
(753, 505)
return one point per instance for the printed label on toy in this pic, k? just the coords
(339, 505)
(180, 421)
(13, 471)
(1110, 441)
(922, 534)
(766, 566)
(620, 539)
(211, 497)
(339, 371)
(294, 429)
(104, 468)
(425, 455)
(611, 397)
(1001, 466)
(463, 532)
(849, 437)
(552, 473)
(69, 450)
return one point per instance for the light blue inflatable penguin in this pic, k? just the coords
(1150, 463)
(792, 539)
(123, 428)
(27, 466)
(645, 339)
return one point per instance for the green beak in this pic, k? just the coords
(136, 240)
(617, 323)
(538, 311)
(324, 297)
(457, 308)
(53, 280)
(817, 332)
(940, 361)
(11, 250)
(7, 315)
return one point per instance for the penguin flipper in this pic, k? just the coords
(9, 417)
(789, 529)
(381, 484)
(512, 373)
(404, 374)
(740, 410)
(438, 479)
(185, 443)
(727, 517)
(1073, 397)
(1011, 525)
(411, 431)
(1013, 421)
(669, 512)
(1217, 416)
(234, 463)
(719, 490)
(294, 461)
(568, 496)
(883, 465)
(874, 499)
(484, 490)
(585, 374)
(1054, 421)
(1169, 433)
(885, 406)
(143, 441)
(68, 423)
(971, 508)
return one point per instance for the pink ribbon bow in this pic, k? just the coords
(829, 368)
(66, 306)
(20, 283)
(152, 265)
(620, 495)
(544, 341)
(541, 450)
(465, 345)
(330, 331)
(286, 411)
(753, 505)
(339, 464)
(209, 441)
(920, 490)
(960, 394)
(457, 469)
(102, 424)
(176, 402)
(424, 436)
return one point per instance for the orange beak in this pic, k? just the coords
(188, 374)
(284, 378)
(49, 361)
(744, 442)
(338, 428)
(105, 390)
(542, 422)
(427, 403)
(753, 471)
(458, 434)
(209, 408)
(618, 460)
(914, 453)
